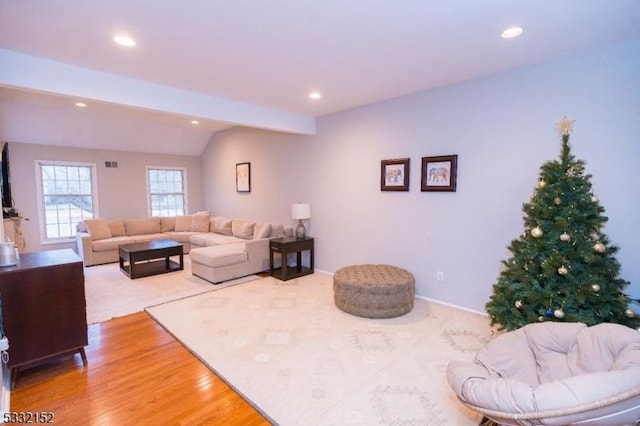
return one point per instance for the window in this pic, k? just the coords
(167, 191)
(67, 194)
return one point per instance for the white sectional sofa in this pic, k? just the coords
(221, 248)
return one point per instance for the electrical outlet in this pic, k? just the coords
(440, 276)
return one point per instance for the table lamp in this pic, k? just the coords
(301, 211)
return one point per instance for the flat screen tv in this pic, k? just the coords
(7, 200)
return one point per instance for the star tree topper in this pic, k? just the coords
(565, 126)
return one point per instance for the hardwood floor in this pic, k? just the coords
(137, 374)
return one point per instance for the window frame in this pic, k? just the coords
(185, 186)
(44, 240)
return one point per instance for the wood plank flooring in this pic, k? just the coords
(137, 374)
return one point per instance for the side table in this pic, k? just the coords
(287, 245)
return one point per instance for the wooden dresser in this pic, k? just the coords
(43, 307)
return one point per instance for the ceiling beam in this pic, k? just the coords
(33, 73)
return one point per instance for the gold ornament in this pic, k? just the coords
(557, 201)
(599, 247)
(594, 199)
(558, 313)
(565, 126)
(563, 270)
(541, 184)
(595, 287)
(565, 237)
(536, 232)
(629, 313)
(518, 304)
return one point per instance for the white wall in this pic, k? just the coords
(501, 127)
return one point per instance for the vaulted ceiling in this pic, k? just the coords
(254, 63)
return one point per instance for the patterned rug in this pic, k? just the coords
(110, 293)
(299, 360)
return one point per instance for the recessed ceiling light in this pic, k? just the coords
(124, 40)
(195, 122)
(315, 95)
(512, 32)
(81, 104)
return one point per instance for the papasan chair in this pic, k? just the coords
(554, 373)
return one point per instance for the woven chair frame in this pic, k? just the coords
(577, 409)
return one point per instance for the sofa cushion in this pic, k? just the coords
(167, 223)
(213, 239)
(180, 236)
(200, 222)
(149, 237)
(183, 223)
(111, 243)
(147, 225)
(217, 256)
(261, 230)
(98, 229)
(242, 228)
(117, 228)
(277, 231)
(221, 225)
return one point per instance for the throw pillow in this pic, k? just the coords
(221, 225)
(200, 222)
(183, 223)
(242, 229)
(117, 228)
(277, 231)
(261, 230)
(98, 228)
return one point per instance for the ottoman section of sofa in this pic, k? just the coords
(219, 263)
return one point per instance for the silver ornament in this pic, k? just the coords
(629, 313)
(558, 313)
(537, 232)
(599, 247)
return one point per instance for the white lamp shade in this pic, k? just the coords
(301, 211)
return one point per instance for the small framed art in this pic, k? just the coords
(439, 173)
(394, 175)
(243, 177)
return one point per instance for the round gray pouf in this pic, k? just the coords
(374, 291)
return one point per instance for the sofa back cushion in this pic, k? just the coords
(148, 225)
(242, 228)
(183, 223)
(117, 228)
(167, 223)
(200, 222)
(98, 228)
(221, 225)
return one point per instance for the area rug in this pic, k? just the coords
(110, 293)
(300, 360)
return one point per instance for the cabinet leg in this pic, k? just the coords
(83, 356)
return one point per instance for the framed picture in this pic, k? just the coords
(243, 177)
(439, 173)
(394, 175)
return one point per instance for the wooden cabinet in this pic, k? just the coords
(43, 307)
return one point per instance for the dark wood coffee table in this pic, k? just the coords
(150, 258)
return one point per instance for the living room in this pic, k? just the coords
(500, 125)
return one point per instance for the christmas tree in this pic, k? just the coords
(562, 267)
